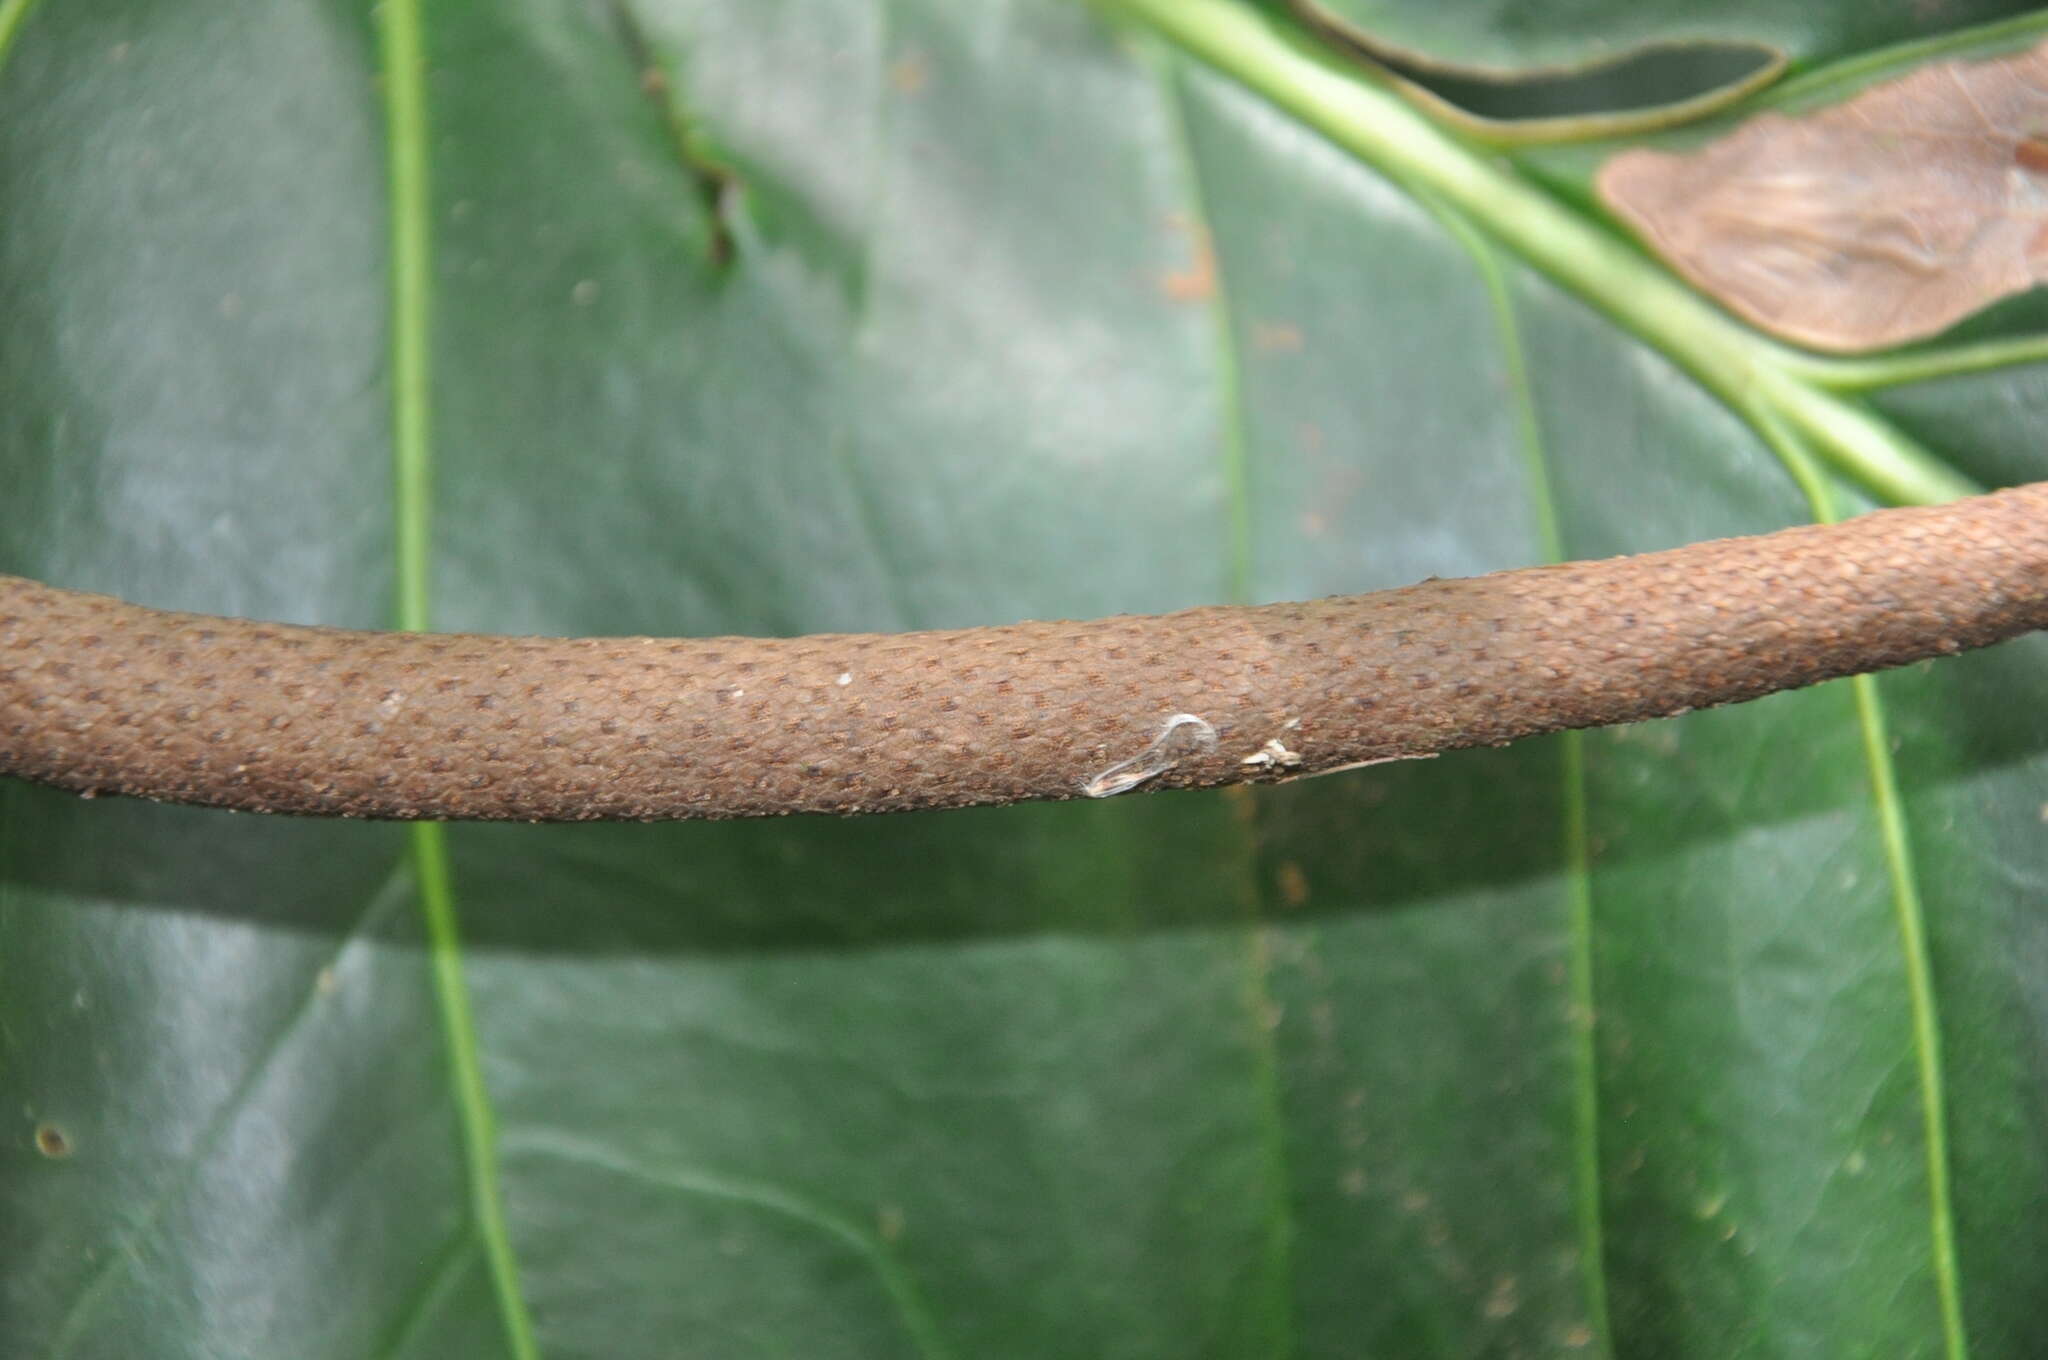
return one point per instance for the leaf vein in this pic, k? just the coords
(1583, 1011)
(13, 15)
(402, 53)
(1171, 75)
(895, 1279)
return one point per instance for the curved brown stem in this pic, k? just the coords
(99, 696)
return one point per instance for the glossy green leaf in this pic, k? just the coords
(1509, 36)
(1721, 1036)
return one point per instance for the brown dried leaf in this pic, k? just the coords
(1871, 223)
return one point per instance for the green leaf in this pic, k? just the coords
(1508, 37)
(1720, 1036)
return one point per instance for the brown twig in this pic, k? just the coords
(99, 696)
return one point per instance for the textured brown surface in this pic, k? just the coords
(99, 696)
(1877, 221)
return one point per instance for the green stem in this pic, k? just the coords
(1858, 441)
(1369, 119)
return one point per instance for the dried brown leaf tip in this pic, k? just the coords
(1871, 223)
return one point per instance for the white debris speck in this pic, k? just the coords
(1183, 736)
(1275, 754)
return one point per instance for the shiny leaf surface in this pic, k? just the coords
(1619, 1045)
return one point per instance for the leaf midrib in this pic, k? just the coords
(1578, 875)
(1788, 399)
(1895, 837)
(402, 54)
(1234, 449)
(13, 14)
